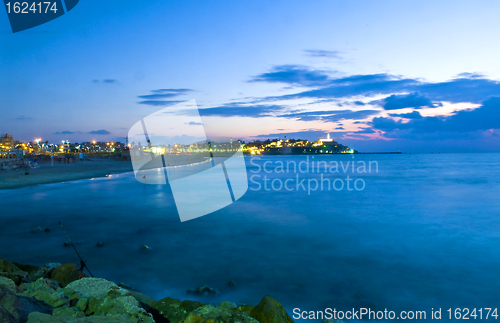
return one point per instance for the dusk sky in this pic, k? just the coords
(413, 76)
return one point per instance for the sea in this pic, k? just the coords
(406, 232)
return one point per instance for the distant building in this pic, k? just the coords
(7, 140)
(328, 139)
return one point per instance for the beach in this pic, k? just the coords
(48, 173)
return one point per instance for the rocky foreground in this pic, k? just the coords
(56, 293)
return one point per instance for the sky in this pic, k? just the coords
(412, 76)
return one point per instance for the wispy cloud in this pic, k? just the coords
(22, 117)
(237, 110)
(157, 98)
(161, 103)
(66, 132)
(106, 81)
(484, 118)
(323, 53)
(99, 132)
(295, 75)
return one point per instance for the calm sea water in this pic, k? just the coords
(424, 233)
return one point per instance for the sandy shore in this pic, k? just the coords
(47, 173)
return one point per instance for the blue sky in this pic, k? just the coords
(379, 75)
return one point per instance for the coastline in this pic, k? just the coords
(46, 173)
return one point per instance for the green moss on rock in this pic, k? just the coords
(175, 310)
(270, 310)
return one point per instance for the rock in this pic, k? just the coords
(48, 267)
(47, 291)
(204, 291)
(125, 286)
(36, 317)
(174, 310)
(99, 244)
(146, 248)
(6, 317)
(8, 267)
(93, 287)
(8, 283)
(124, 305)
(36, 230)
(245, 308)
(210, 314)
(231, 283)
(9, 302)
(82, 304)
(270, 310)
(65, 274)
(66, 244)
(227, 305)
(9, 270)
(18, 307)
(47, 230)
(34, 272)
(67, 311)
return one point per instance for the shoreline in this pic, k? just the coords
(46, 173)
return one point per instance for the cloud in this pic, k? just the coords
(66, 132)
(415, 100)
(366, 130)
(467, 87)
(192, 123)
(323, 53)
(22, 117)
(159, 103)
(411, 115)
(157, 97)
(293, 74)
(107, 81)
(461, 122)
(165, 93)
(331, 115)
(99, 132)
(237, 110)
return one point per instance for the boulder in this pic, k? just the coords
(210, 314)
(47, 291)
(18, 307)
(94, 287)
(65, 274)
(270, 310)
(34, 272)
(6, 317)
(9, 302)
(11, 271)
(67, 311)
(123, 305)
(245, 308)
(36, 317)
(8, 283)
(48, 267)
(174, 310)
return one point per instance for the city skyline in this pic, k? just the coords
(377, 76)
